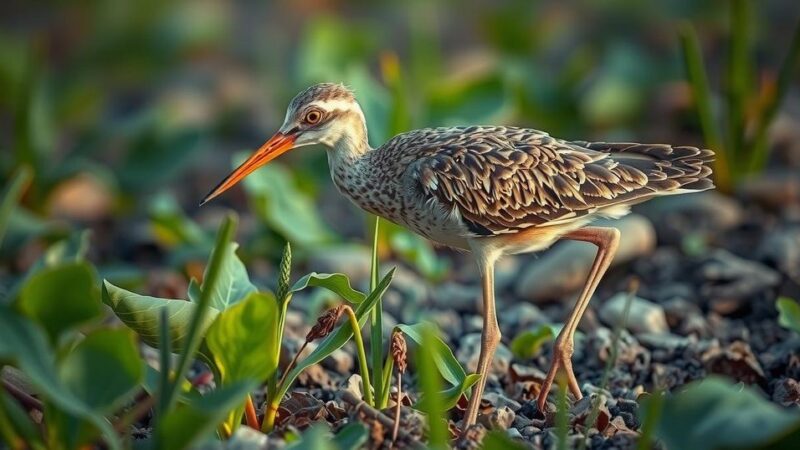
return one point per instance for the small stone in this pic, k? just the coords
(530, 430)
(781, 249)
(352, 260)
(500, 400)
(469, 352)
(707, 213)
(457, 297)
(514, 433)
(730, 281)
(787, 392)
(521, 316)
(246, 438)
(563, 270)
(643, 316)
(500, 418)
(736, 361)
(582, 410)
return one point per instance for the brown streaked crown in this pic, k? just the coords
(322, 92)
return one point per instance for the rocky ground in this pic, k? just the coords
(709, 268)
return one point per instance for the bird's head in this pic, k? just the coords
(325, 113)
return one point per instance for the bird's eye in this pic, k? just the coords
(312, 117)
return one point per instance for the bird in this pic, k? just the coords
(491, 191)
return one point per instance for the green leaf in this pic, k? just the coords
(351, 437)
(285, 209)
(141, 314)
(338, 338)
(449, 397)
(714, 413)
(25, 346)
(104, 369)
(187, 424)
(497, 439)
(242, 343)
(789, 311)
(13, 193)
(61, 297)
(337, 283)
(528, 343)
(430, 384)
(446, 362)
(234, 283)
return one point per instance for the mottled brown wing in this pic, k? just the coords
(500, 180)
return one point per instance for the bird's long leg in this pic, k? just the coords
(489, 340)
(607, 241)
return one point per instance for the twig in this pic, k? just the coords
(23, 397)
(250, 414)
(361, 406)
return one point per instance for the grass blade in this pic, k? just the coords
(758, 157)
(19, 182)
(194, 338)
(698, 80)
(738, 79)
(376, 325)
(431, 385)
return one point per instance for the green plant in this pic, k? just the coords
(789, 313)
(233, 335)
(64, 353)
(716, 413)
(743, 151)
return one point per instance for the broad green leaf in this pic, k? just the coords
(446, 362)
(528, 343)
(430, 382)
(337, 283)
(498, 439)
(317, 437)
(72, 249)
(714, 413)
(285, 209)
(25, 346)
(104, 369)
(242, 343)
(187, 424)
(338, 338)
(449, 397)
(11, 196)
(141, 314)
(351, 437)
(789, 313)
(61, 297)
(234, 283)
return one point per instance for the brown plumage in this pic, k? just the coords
(489, 190)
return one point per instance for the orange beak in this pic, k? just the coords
(276, 145)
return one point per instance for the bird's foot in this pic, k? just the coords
(562, 363)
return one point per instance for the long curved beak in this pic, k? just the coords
(277, 145)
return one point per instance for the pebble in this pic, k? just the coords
(705, 213)
(564, 269)
(501, 418)
(730, 282)
(352, 260)
(469, 352)
(781, 249)
(644, 316)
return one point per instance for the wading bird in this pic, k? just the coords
(488, 190)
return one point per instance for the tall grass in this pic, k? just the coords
(749, 109)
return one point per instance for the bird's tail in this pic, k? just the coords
(669, 169)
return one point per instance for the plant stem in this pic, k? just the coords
(397, 407)
(164, 359)
(19, 181)
(250, 414)
(193, 337)
(376, 325)
(758, 156)
(698, 80)
(388, 366)
(362, 355)
(738, 80)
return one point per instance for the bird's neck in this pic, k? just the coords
(347, 145)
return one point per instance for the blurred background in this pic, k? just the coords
(129, 112)
(116, 118)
